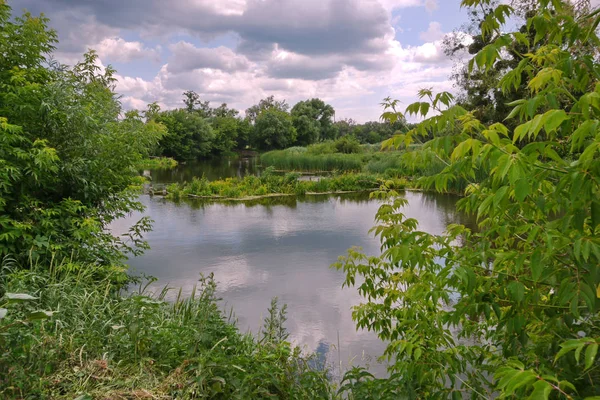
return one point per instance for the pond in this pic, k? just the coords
(280, 248)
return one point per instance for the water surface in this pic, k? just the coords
(280, 248)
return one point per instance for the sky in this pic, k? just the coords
(350, 53)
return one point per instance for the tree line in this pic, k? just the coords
(198, 130)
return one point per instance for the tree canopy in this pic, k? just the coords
(66, 150)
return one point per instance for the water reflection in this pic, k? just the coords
(280, 247)
(211, 169)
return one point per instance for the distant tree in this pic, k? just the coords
(226, 130)
(345, 126)
(224, 111)
(273, 129)
(266, 104)
(189, 135)
(190, 99)
(193, 103)
(313, 120)
(151, 111)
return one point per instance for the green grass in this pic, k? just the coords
(272, 184)
(304, 161)
(157, 163)
(95, 341)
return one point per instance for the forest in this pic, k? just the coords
(508, 308)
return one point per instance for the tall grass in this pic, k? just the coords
(304, 161)
(95, 341)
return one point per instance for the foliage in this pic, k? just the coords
(270, 184)
(226, 129)
(157, 163)
(313, 121)
(347, 145)
(263, 105)
(273, 129)
(68, 333)
(189, 136)
(304, 161)
(509, 309)
(67, 157)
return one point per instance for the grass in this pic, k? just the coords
(157, 163)
(81, 336)
(304, 161)
(270, 184)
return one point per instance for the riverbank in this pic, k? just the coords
(93, 340)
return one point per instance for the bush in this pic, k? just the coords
(348, 145)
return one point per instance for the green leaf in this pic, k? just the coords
(595, 214)
(553, 119)
(37, 315)
(522, 189)
(516, 290)
(590, 355)
(541, 391)
(536, 265)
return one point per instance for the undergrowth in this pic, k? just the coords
(65, 333)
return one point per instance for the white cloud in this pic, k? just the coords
(434, 32)
(113, 49)
(187, 57)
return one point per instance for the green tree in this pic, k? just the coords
(189, 136)
(226, 130)
(66, 155)
(313, 120)
(510, 309)
(193, 103)
(273, 129)
(268, 103)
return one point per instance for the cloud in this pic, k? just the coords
(187, 57)
(431, 5)
(239, 51)
(434, 32)
(117, 49)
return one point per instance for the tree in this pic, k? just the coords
(226, 130)
(224, 111)
(510, 309)
(345, 126)
(189, 136)
(67, 154)
(268, 103)
(193, 103)
(273, 129)
(313, 121)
